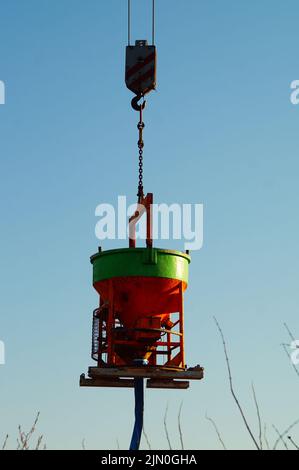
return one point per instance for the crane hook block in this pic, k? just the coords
(141, 61)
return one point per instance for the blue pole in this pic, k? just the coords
(139, 407)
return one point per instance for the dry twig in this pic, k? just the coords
(258, 416)
(217, 431)
(265, 437)
(146, 438)
(281, 436)
(24, 438)
(165, 428)
(5, 442)
(289, 356)
(289, 332)
(293, 442)
(232, 388)
(39, 441)
(180, 427)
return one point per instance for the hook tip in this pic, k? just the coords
(136, 105)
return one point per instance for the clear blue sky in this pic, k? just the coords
(221, 131)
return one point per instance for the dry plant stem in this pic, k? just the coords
(217, 431)
(39, 441)
(258, 416)
(265, 437)
(288, 354)
(280, 437)
(5, 442)
(289, 332)
(23, 442)
(293, 442)
(285, 433)
(165, 428)
(180, 427)
(25, 437)
(146, 438)
(232, 388)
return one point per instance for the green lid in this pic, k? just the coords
(149, 262)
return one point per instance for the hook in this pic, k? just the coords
(135, 105)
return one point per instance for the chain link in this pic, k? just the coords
(140, 127)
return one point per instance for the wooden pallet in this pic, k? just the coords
(156, 377)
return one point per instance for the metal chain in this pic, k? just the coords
(140, 127)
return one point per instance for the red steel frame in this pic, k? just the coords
(108, 323)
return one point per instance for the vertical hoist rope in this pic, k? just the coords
(139, 407)
(153, 24)
(129, 22)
